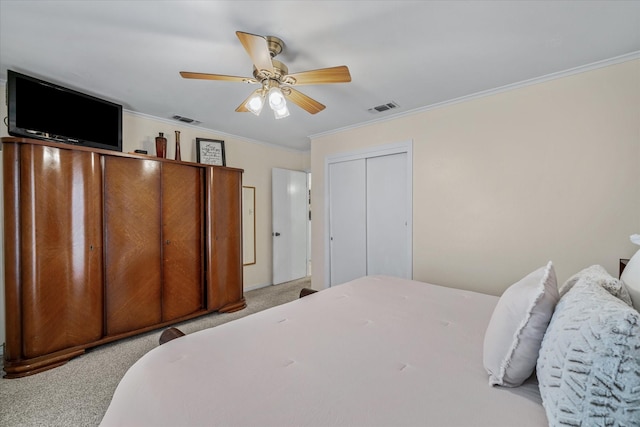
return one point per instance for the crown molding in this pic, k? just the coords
(553, 76)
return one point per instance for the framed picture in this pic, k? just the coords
(210, 152)
(248, 225)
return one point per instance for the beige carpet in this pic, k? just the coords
(78, 393)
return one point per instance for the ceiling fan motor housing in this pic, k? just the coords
(279, 71)
(275, 45)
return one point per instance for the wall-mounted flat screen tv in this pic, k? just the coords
(43, 110)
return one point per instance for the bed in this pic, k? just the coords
(377, 351)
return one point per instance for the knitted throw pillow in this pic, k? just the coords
(589, 365)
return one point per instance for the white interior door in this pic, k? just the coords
(290, 217)
(388, 237)
(347, 218)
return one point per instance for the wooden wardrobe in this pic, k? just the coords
(101, 245)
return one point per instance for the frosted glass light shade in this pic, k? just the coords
(255, 103)
(276, 99)
(281, 113)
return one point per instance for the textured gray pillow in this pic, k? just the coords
(598, 274)
(589, 364)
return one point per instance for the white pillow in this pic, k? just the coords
(517, 326)
(631, 278)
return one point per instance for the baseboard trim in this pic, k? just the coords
(259, 286)
(264, 285)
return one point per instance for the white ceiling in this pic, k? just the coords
(415, 53)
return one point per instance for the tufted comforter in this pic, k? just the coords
(377, 351)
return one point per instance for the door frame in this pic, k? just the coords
(365, 153)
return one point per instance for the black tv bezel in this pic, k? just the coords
(16, 131)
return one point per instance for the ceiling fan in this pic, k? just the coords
(276, 84)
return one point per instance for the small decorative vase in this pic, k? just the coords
(178, 145)
(161, 146)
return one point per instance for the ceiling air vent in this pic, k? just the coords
(384, 107)
(185, 119)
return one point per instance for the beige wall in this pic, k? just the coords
(504, 183)
(257, 160)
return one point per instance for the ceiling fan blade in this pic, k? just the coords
(303, 101)
(242, 108)
(338, 74)
(204, 76)
(258, 50)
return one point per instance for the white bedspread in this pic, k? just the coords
(377, 351)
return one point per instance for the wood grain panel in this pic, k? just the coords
(12, 261)
(224, 217)
(133, 271)
(182, 231)
(61, 248)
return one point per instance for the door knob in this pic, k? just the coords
(276, 234)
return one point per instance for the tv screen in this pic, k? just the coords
(43, 110)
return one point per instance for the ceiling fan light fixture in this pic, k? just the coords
(256, 102)
(276, 99)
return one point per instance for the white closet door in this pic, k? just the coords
(347, 219)
(388, 237)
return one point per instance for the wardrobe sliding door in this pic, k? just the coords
(348, 219)
(388, 238)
